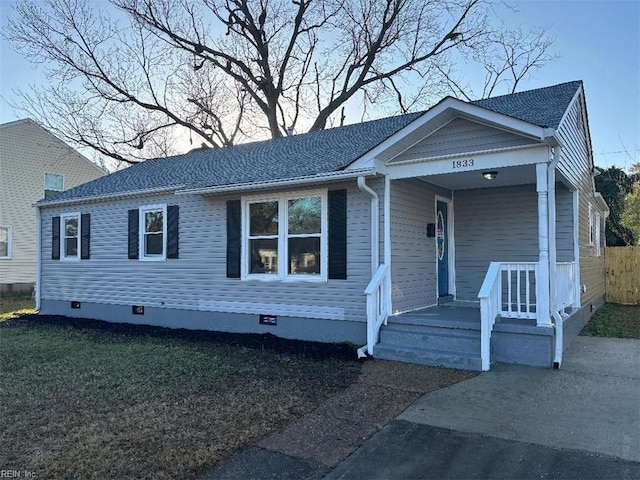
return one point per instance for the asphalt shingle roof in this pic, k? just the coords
(302, 155)
(543, 107)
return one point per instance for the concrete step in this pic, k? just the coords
(440, 338)
(431, 357)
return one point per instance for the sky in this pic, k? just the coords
(596, 41)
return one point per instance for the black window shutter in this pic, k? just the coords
(172, 231)
(133, 233)
(337, 209)
(234, 215)
(85, 232)
(55, 238)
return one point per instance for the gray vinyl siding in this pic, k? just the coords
(462, 136)
(493, 225)
(576, 164)
(199, 274)
(413, 255)
(564, 224)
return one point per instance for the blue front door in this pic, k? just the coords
(442, 248)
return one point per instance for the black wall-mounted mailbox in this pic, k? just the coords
(431, 230)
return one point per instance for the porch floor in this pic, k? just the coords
(442, 316)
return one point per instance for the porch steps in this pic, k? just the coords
(438, 337)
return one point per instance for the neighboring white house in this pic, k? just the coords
(34, 164)
(366, 233)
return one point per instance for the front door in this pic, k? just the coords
(442, 247)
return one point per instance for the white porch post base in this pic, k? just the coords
(542, 283)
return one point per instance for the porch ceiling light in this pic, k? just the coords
(489, 175)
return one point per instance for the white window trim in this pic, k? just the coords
(141, 231)
(283, 220)
(591, 232)
(598, 235)
(44, 180)
(63, 236)
(9, 241)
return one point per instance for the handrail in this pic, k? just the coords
(488, 311)
(378, 308)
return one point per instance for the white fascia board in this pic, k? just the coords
(481, 162)
(274, 184)
(600, 199)
(463, 108)
(108, 197)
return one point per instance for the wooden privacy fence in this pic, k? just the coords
(623, 274)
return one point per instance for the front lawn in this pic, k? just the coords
(85, 399)
(614, 320)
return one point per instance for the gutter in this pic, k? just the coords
(553, 297)
(288, 182)
(38, 285)
(109, 196)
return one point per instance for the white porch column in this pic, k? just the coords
(542, 282)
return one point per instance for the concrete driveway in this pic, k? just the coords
(582, 421)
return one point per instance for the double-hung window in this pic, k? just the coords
(70, 244)
(53, 184)
(153, 228)
(285, 236)
(598, 236)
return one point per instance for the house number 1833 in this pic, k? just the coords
(462, 163)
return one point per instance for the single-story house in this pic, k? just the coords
(467, 234)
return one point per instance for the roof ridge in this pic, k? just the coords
(528, 91)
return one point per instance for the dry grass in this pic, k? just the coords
(14, 305)
(88, 400)
(615, 321)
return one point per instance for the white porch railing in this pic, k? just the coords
(511, 290)
(378, 309)
(508, 289)
(565, 285)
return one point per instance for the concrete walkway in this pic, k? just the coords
(582, 421)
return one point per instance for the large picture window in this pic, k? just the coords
(285, 236)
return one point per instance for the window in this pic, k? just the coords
(591, 226)
(70, 244)
(598, 246)
(286, 236)
(53, 184)
(5, 242)
(153, 227)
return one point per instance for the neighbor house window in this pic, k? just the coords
(153, 228)
(53, 184)
(285, 236)
(5, 242)
(70, 244)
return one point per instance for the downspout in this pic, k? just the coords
(375, 223)
(38, 257)
(553, 297)
(375, 236)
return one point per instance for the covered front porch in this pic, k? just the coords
(475, 270)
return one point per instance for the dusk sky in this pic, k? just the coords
(597, 42)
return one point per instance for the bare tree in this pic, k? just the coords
(126, 80)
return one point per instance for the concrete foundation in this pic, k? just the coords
(298, 328)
